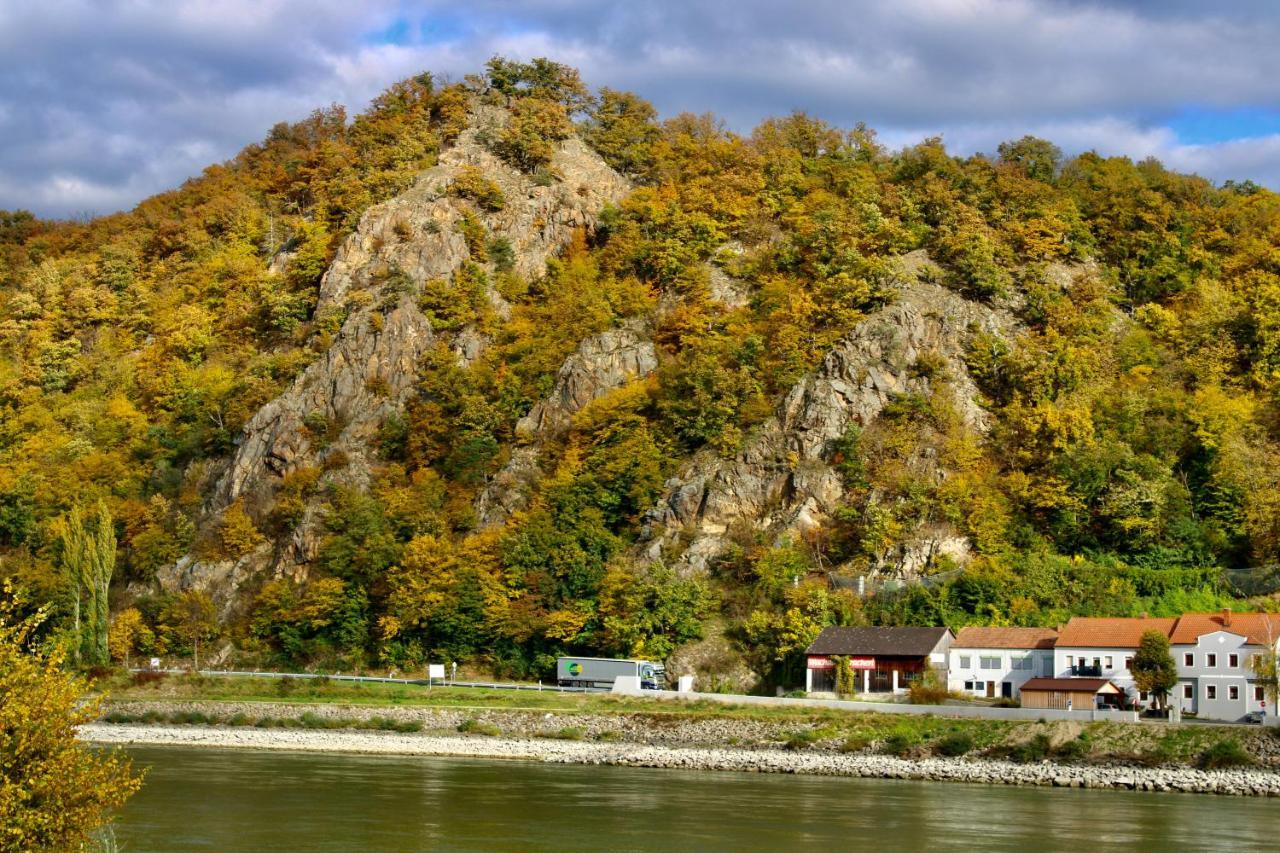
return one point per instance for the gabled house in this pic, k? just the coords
(1216, 655)
(996, 662)
(884, 660)
(1090, 647)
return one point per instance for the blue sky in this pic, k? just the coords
(103, 102)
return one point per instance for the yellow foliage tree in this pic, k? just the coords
(54, 791)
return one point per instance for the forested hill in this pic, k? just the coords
(506, 368)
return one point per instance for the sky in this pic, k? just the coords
(104, 102)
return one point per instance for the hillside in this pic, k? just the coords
(506, 368)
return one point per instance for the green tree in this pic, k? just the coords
(1154, 670)
(190, 618)
(88, 555)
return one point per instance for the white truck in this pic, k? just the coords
(599, 673)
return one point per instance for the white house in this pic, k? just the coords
(1090, 647)
(996, 662)
(1216, 654)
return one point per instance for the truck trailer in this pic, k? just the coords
(599, 673)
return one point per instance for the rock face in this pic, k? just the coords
(332, 410)
(602, 363)
(780, 481)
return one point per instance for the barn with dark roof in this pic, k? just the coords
(883, 660)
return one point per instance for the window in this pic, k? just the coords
(1097, 663)
(1142, 695)
(965, 661)
(989, 662)
(1021, 663)
(1188, 692)
(1211, 660)
(1128, 662)
(1071, 661)
(1259, 694)
(968, 685)
(1254, 660)
(1188, 659)
(1233, 661)
(1108, 661)
(1233, 693)
(1211, 692)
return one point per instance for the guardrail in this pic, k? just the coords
(383, 679)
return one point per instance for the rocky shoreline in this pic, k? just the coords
(1235, 782)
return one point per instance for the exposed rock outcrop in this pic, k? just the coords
(602, 363)
(780, 481)
(327, 417)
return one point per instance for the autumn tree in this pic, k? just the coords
(189, 618)
(54, 790)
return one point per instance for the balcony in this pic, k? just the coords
(1082, 671)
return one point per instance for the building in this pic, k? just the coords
(1216, 654)
(1071, 694)
(1090, 647)
(884, 660)
(996, 662)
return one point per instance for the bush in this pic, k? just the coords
(567, 733)
(477, 727)
(855, 743)
(147, 677)
(1223, 754)
(898, 743)
(954, 744)
(1074, 750)
(610, 736)
(929, 690)
(1035, 749)
(470, 182)
(802, 739)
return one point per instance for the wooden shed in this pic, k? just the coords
(1077, 694)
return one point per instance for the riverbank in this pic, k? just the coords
(1236, 782)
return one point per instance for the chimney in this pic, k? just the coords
(1226, 617)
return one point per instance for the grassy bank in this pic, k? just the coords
(281, 703)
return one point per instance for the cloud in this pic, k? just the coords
(102, 103)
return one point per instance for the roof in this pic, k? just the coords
(1005, 638)
(1100, 633)
(1262, 629)
(908, 642)
(1071, 685)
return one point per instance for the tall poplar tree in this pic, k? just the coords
(88, 554)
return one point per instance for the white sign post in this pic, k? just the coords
(434, 671)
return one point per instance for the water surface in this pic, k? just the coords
(227, 800)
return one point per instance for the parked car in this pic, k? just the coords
(1254, 717)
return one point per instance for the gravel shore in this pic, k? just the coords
(1239, 782)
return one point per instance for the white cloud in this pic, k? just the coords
(102, 103)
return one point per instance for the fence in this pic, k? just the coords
(421, 682)
(967, 711)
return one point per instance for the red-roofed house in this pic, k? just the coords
(993, 662)
(1215, 653)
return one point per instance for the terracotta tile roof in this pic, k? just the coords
(1100, 633)
(1005, 638)
(877, 641)
(1075, 685)
(1260, 628)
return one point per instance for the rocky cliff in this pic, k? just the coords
(328, 415)
(781, 480)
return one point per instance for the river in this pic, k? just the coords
(226, 800)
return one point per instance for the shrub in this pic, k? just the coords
(855, 743)
(1074, 750)
(1035, 749)
(478, 727)
(1224, 753)
(802, 739)
(567, 733)
(610, 736)
(470, 182)
(147, 677)
(957, 743)
(898, 743)
(929, 690)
